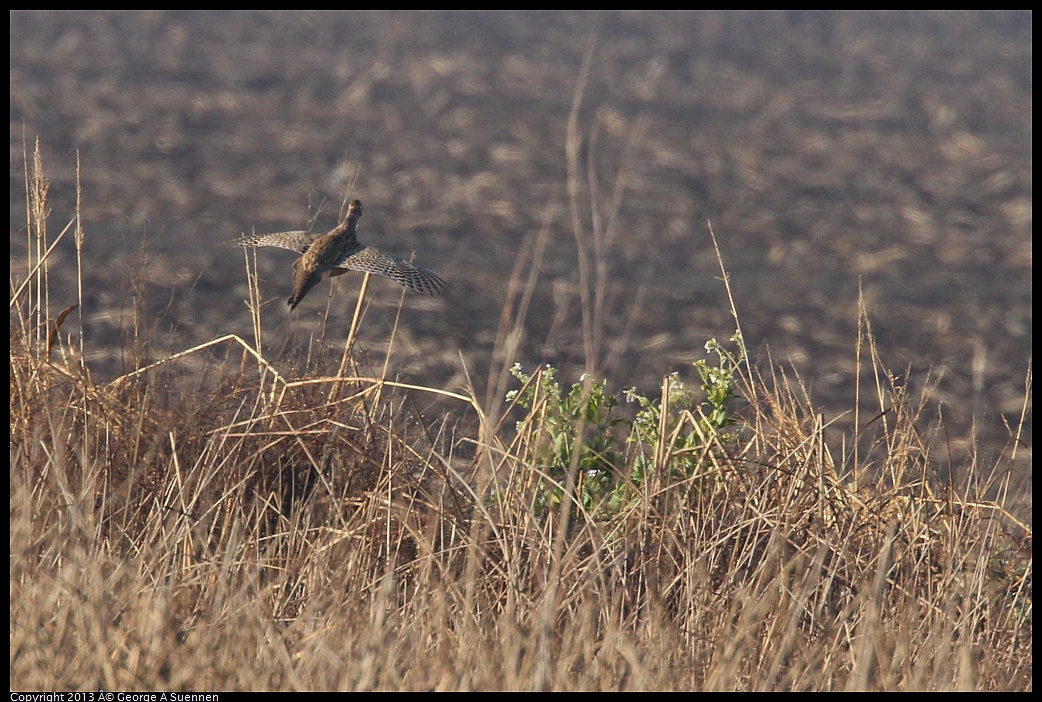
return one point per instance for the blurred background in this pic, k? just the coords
(887, 153)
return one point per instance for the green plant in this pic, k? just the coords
(679, 443)
(719, 383)
(578, 427)
(565, 428)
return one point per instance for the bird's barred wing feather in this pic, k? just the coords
(415, 279)
(294, 241)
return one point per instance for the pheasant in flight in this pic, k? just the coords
(338, 252)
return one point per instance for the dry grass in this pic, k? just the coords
(211, 523)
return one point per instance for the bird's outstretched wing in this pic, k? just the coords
(294, 241)
(415, 279)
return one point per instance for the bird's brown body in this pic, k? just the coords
(338, 252)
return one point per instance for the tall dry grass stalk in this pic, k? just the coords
(266, 531)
